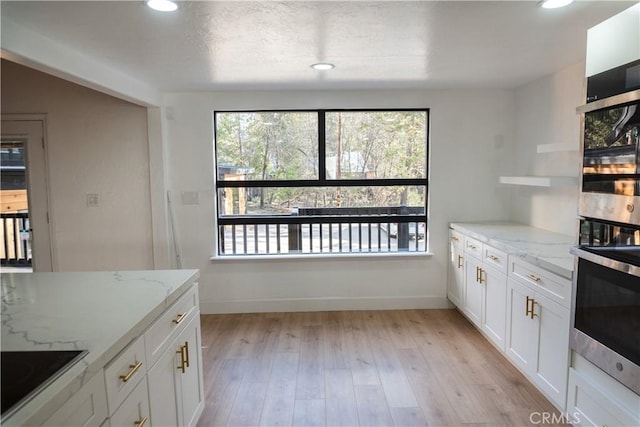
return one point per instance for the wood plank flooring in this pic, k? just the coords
(359, 368)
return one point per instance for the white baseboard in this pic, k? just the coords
(321, 304)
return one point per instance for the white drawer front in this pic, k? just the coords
(124, 372)
(135, 410)
(588, 406)
(169, 325)
(473, 247)
(495, 258)
(456, 239)
(549, 284)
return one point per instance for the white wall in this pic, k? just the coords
(471, 137)
(95, 144)
(546, 114)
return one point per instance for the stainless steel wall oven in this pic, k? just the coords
(605, 309)
(610, 184)
(606, 302)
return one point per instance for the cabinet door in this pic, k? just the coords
(495, 306)
(521, 329)
(552, 358)
(455, 282)
(192, 389)
(163, 393)
(473, 291)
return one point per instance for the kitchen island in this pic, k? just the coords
(113, 316)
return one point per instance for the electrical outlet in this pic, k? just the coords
(93, 200)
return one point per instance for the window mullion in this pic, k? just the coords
(322, 147)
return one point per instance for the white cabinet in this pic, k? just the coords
(124, 373)
(455, 282)
(538, 332)
(191, 380)
(473, 290)
(478, 272)
(522, 309)
(134, 411)
(176, 390)
(494, 305)
(87, 407)
(521, 330)
(595, 399)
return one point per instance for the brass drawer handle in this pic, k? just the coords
(494, 258)
(534, 277)
(140, 423)
(132, 370)
(454, 238)
(480, 277)
(186, 350)
(182, 359)
(460, 261)
(530, 310)
(180, 318)
(472, 246)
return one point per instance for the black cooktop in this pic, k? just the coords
(25, 373)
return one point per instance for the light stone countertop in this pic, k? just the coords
(543, 248)
(101, 312)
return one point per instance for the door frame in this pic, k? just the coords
(51, 265)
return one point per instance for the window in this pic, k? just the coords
(328, 181)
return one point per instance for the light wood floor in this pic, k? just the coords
(367, 368)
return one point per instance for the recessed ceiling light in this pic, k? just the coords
(554, 4)
(322, 66)
(163, 5)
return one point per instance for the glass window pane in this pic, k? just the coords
(376, 144)
(267, 145)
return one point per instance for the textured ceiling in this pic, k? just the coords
(213, 45)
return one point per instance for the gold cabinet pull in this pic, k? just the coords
(494, 258)
(454, 238)
(132, 370)
(180, 318)
(140, 423)
(186, 351)
(459, 261)
(477, 274)
(534, 277)
(182, 359)
(472, 246)
(533, 307)
(485, 273)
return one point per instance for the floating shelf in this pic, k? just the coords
(553, 148)
(540, 181)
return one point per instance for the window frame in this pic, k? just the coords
(321, 181)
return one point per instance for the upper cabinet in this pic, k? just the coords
(614, 42)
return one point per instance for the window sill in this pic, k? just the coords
(324, 256)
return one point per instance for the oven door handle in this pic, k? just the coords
(623, 267)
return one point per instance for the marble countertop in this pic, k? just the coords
(100, 312)
(539, 247)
